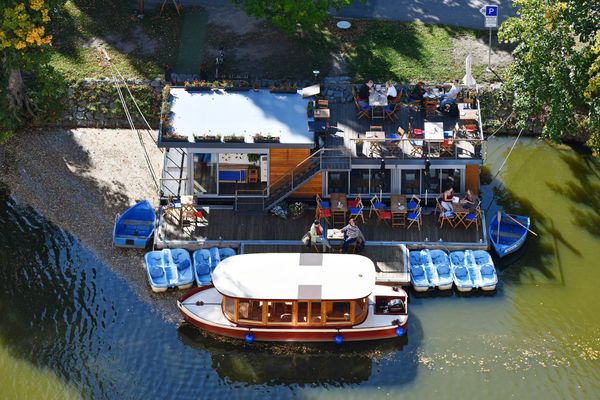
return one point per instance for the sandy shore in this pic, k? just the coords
(80, 179)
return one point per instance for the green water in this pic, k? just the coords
(70, 328)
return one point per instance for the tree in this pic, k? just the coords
(23, 44)
(288, 14)
(555, 75)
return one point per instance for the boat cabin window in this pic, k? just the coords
(361, 307)
(315, 312)
(250, 310)
(229, 306)
(279, 312)
(390, 305)
(303, 312)
(338, 311)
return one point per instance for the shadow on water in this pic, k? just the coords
(307, 364)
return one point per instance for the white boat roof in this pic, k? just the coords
(295, 276)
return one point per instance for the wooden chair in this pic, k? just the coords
(447, 147)
(323, 209)
(362, 111)
(445, 217)
(413, 203)
(472, 217)
(414, 217)
(390, 111)
(376, 205)
(431, 108)
(322, 203)
(438, 206)
(354, 203)
(383, 215)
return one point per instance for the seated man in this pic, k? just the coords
(365, 91)
(352, 234)
(451, 96)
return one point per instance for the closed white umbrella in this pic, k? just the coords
(468, 78)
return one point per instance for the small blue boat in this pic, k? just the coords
(202, 272)
(441, 263)
(508, 234)
(461, 275)
(169, 269)
(473, 269)
(226, 252)
(135, 227)
(423, 273)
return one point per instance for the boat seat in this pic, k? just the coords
(286, 317)
(137, 222)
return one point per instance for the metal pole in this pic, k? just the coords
(490, 51)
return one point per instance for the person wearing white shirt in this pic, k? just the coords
(451, 96)
(391, 91)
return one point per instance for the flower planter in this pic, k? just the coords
(169, 137)
(234, 139)
(207, 139)
(267, 140)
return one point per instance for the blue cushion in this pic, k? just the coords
(185, 264)
(355, 210)
(417, 271)
(460, 272)
(412, 205)
(156, 272)
(379, 204)
(324, 204)
(412, 215)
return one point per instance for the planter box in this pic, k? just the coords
(207, 139)
(288, 91)
(174, 138)
(198, 89)
(265, 140)
(240, 139)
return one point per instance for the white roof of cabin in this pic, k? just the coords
(241, 113)
(295, 276)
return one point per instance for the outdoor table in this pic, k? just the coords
(398, 209)
(464, 112)
(335, 235)
(375, 140)
(460, 211)
(377, 101)
(434, 132)
(322, 113)
(339, 207)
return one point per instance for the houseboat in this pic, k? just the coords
(294, 297)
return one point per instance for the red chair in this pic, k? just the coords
(385, 216)
(354, 203)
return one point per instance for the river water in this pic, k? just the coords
(71, 328)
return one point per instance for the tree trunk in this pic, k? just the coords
(18, 100)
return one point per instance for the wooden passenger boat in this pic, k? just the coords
(297, 297)
(508, 232)
(135, 226)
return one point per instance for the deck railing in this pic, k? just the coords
(408, 148)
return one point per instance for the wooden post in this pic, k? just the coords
(141, 7)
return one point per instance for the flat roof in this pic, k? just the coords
(295, 276)
(244, 113)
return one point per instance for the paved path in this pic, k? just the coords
(451, 12)
(448, 12)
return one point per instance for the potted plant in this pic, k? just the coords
(253, 159)
(284, 88)
(256, 86)
(237, 86)
(174, 137)
(207, 138)
(310, 109)
(198, 86)
(234, 138)
(296, 210)
(265, 138)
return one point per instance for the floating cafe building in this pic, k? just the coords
(233, 155)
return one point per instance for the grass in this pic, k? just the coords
(138, 48)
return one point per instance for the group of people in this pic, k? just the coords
(352, 234)
(468, 201)
(416, 94)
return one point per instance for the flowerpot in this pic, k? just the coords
(207, 139)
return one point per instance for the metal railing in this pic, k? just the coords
(167, 176)
(408, 148)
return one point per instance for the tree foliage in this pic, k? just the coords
(24, 40)
(555, 75)
(288, 14)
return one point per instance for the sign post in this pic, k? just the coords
(491, 21)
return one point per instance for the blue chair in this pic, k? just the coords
(413, 203)
(356, 212)
(414, 216)
(376, 206)
(362, 107)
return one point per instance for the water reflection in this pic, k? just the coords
(291, 364)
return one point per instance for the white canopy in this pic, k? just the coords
(295, 276)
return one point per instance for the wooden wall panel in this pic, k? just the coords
(282, 161)
(472, 178)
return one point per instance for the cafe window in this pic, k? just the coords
(381, 182)
(411, 181)
(338, 311)
(279, 311)
(434, 182)
(337, 182)
(450, 178)
(250, 310)
(359, 181)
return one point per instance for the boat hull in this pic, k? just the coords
(506, 246)
(292, 334)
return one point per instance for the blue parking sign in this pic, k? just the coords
(491, 11)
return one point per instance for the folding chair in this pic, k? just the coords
(447, 216)
(362, 110)
(390, 111)
(323, 209)
(414, 203)
(322, 203)
(438, 206)
(383, 215)
(354, 203)
(414, 216)
(376, 205)
(472, 217)
(356, 212)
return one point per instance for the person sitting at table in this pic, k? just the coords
(418, 92)
(352, 234)
(447, 201)
(365, 91)
(390, 91)
(451, 96)
(317, 235)
(469, 200)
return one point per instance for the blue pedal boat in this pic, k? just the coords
(461, 275)
(423, 275)
(169, 269)
(508, 234)
(135, 227)
(441, 263)
(489, 278)
(202, 272)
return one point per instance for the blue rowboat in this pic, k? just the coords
(135, 227)
(508, 235)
